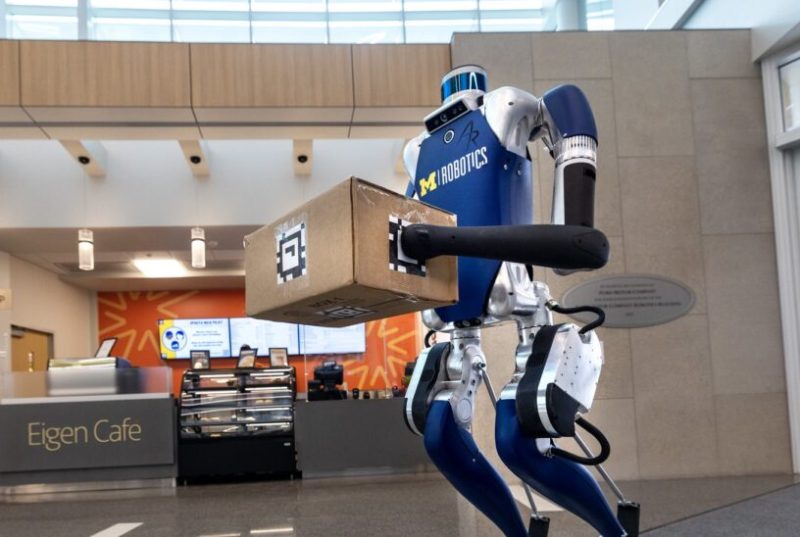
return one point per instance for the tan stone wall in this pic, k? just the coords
(683, 191)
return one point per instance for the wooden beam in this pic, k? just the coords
(399, 75)
(90, 155)
(399, 164)
(303, 157)
(271, 76)
(97, 74)
(196, 158)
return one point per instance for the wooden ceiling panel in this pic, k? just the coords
(83, 73)
(230, 75)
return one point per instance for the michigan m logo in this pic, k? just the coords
(427, 185)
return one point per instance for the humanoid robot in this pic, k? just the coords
(473, 160)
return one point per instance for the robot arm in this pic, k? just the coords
(572, 133)
(563, 119)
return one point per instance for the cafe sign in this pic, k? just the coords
(87, 434)
(632, 301)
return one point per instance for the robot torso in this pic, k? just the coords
(463, 168)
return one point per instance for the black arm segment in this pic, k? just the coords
(579, 179)
(544, 245)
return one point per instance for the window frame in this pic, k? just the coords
(785, 180)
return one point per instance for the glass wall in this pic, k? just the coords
(599, 15)
(41, 19)
(280, 21)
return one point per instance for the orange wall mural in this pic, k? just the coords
(132, 317)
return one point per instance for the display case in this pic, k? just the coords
(237, 421)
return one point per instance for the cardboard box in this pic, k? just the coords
(335, 260)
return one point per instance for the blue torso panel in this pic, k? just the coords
(462, 168)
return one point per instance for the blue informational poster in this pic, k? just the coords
(178, 337)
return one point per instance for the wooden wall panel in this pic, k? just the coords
(271, 75)
(9, 73)
(70, 73)
(399, 75)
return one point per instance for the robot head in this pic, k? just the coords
(463, 79)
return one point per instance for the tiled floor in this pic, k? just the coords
(402, 506)
(771, 515)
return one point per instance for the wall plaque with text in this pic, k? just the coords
(632, 301)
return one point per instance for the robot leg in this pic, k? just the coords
(539, 525)
(567, 483)
(453, 450)
(448, 441)
(627, 511)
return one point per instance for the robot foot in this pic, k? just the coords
(539, 526)
(628, 516)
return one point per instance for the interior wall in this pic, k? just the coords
(43, 302)
(132, 318)
(774, 22)
(683, 191)
(148, 183)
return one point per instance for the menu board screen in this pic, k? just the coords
(319, 340)
(263, 335)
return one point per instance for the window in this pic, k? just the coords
(511, 16)
(41, 19)
(352, 21)
(435, 21)
(129, 20)
(599, 15)
(280, 21)
(789, 75)
(781, 78)
(218, 21)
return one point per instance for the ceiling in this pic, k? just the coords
(56, 250)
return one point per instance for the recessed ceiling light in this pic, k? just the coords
(160, 268)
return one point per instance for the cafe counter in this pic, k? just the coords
(68, 429)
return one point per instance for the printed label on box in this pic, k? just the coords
(398, 260)
(290, 247)
(345, 312)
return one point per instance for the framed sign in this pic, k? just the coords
(278, 357)
(104, 350)
(247, 358)
(200, 359)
